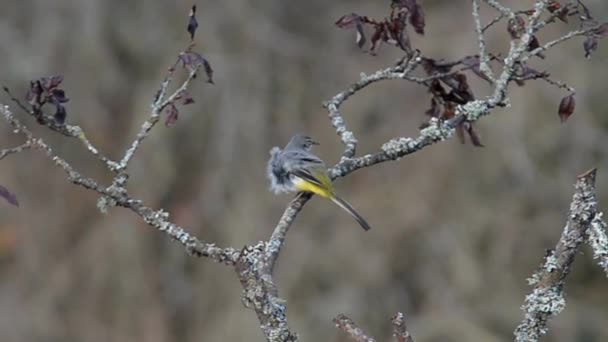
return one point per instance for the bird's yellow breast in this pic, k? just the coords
(306, 186)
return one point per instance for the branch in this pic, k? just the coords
(400, 329)
(546, 299)
(261, 294)
(598, 240)
(483, 55)
(333, 106)
(351, 329)
(158, 219)
(277, 239)
(560, 40)
(66, 130)
(8, 151)
(157, 108)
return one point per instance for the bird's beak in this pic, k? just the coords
(314, 142)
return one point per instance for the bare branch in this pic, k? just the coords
(158, 219)
(504, 11)
(598, 240)
(261, 294)
(483, 55)
(157, 108)
(8, 151)
(351, 329)
(277, 239)
(399, 71)
(546, 300)
(400, 329)
(559, 40)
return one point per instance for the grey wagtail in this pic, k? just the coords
(296, 169)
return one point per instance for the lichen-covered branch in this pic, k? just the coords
(261, 294)
(598, 240)
(254, 264)
(484, 60)
(349, 327)
(400, 329)
(159, 219)
(157, 107)
(547, 297)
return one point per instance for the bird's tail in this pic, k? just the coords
(349, 209)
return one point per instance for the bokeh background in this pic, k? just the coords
(457, 229)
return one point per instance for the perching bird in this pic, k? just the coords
(296, 169)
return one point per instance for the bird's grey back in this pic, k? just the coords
(283, 162)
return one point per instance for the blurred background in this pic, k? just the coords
(457, 229)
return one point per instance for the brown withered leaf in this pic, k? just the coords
(473, 135)
(377, 39)
(533, 45)
(355, 21)
(8, 196)
(553, 6)
(192, 22)
(460, 134)
(435, 109)
(417, 18)
(566, 107)
(590, 45)
(172, 115)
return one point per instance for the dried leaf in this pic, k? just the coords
(435, 109)
(590, 45)
(172, 115)
(417, 18)
(533, 45)
(473, 135)
(48, 83)
(516, 26)
(377, 39)
(192, 22)
(460, 134)
(353, 21)
(191, 60)
(9, 196)
(566, 107)
(58, 95)
(186, 98)
(553, 6)
(60, 113)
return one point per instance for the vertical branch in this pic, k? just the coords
(261, 294)
(484, 65)
(546, 299)
(598, 240)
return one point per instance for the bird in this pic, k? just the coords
(296, 169)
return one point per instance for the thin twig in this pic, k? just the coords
(505, 11)
(351, 329)
(399, 71)
(64, 129)
(158, 219)
(484, 60)
(157, 108)
(8, 151)
(559, 40)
